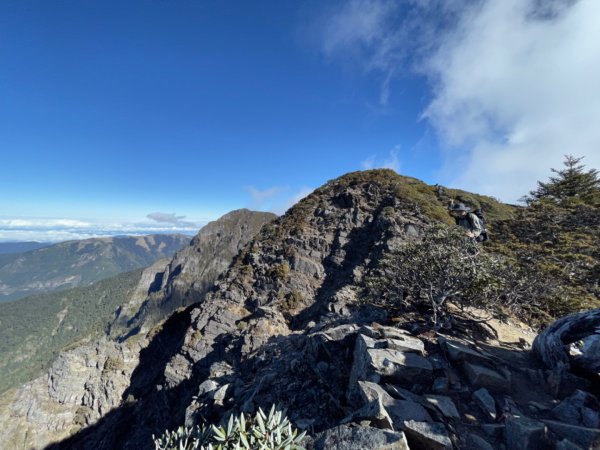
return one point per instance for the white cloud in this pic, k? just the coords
(43, 223)
(169, 218)
(56, 230)
(516, 92)
(513, 82)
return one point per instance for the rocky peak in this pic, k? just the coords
(191, 273)
(88, 380)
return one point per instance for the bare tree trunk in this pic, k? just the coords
(550, 344)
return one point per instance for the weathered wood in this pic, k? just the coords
(550, 344)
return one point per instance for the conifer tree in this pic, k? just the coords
(572, 182)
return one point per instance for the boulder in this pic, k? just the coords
(523, 433)
(444, 405)
(457, 352)
(588, 438)
(426, 435)
(359, 438)
(478, 443)
(484, 377)
(440, 385)
(372, 391)
(375, 413)
(372, 363)
(495, 430)
(403, 410)
(565, 444)
(398, 366)
(486, 403)
(581, 408)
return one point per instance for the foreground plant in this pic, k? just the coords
(259, 432)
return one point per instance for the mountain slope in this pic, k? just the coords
(87, 379)
(81, 263)
(285, 325)
(303, 271)
(34, 329)
(20, 247)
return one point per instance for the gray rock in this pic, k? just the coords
(588, 438)
(580, 408)
(373, 364)
(220, 395)
(565, 444)
(398, 410)
(372, 391)
(458, 352)
(478, 443)
(443, 404)
(375, 413)
(486, 402)
(440, 385)
(523, 433)
(401, 393)
(359, 438)
(403, 410)
(484, 377)
(206, 387)
(495, 430)
(398, 366)
(431, 436)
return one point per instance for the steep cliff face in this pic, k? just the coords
(193, 270)
(87, 380)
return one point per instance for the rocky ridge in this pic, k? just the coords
(284, 325)
(88, 379)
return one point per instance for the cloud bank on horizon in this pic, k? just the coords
(513, 83)
(58, 230)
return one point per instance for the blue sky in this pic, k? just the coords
(157, 116)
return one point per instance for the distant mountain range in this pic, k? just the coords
(19, 247)
(80, 263)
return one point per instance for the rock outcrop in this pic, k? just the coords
(89, 379)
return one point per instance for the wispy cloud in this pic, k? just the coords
(170, 218)
(265, 199)
(513, 82)
(390, 162)
(360, 29)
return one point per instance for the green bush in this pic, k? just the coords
(260, 432)
(445, 265)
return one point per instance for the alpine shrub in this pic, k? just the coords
(259, 432)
